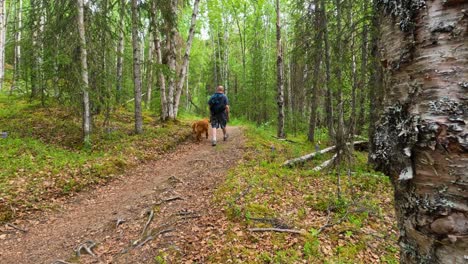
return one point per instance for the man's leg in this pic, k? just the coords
(213, 134)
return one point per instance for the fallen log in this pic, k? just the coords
(325, 164)
(300, 160)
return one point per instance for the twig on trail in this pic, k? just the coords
(60, 262)
(119, 222)
(285, 139)
(325, 163)
(88, 248)
(16, 227)
(294, 231)
(150, 218)
(170, 200)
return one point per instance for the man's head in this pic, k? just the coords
(220, 89)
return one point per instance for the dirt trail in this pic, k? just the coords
(189, 176)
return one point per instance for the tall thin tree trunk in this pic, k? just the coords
(120, 52)
(172, 57)
(363, 83)
(149, 71)
(279, 73)
(340, 138)
(186, 58)
(136, 67)
(421, 140)
(329, 97)
(18, 28)
(2, 41)
(84, 74)
(161, 77)
(317, 59)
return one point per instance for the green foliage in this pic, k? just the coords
(260, 188)
(42, 156)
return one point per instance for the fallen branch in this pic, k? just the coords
(285, 139)
(294, 231)
(325, 164)
(88, 248)
(16, 227)
(150, 218)
(300, 160)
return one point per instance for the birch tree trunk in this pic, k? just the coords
(2, 41)
(18, 28)
(185, 62)
(149, 71)
(421, 141)
(172, 57)
(84, 74)
(136, 67)
(279, 73)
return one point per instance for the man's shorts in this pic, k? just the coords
(219, 120)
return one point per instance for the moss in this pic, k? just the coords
(405, 10)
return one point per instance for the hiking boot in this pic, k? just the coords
(213, 143)
(226, 137)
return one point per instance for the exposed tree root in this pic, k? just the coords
(150, 218)
(16, 227)
(119, 222)
(87, 247)
(170, 200)
(284, 139)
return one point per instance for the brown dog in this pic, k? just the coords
(199, 127)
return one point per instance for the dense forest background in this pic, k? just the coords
(90, 88)
(326, 49)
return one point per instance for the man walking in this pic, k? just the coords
(219, 109)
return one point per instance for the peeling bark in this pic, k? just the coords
(421, 140)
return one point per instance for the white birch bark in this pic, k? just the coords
(2, 41)
(84, 73)
(183, 70)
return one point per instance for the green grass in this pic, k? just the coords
(43, 156)
(300, 198)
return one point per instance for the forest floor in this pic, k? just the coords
(175, 190)
(202, 201)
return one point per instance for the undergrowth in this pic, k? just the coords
(42, 156)
(357, 227)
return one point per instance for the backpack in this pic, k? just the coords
(217, 103)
